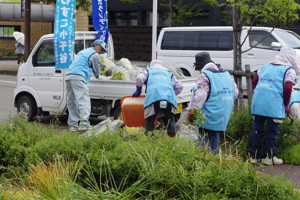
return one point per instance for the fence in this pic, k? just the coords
(249, 76)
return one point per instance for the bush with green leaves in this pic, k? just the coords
(116, 166)
(240, 127)
(7, 52)
(291, 154)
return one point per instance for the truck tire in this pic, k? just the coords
(177, 117)
(185, 72)
(27, 105)
(117, 113)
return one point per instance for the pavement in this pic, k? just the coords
(9, 67)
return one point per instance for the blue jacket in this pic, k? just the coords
(159, 87)
(219, 105)
(80, 65)
(295, 97)
(268, 94)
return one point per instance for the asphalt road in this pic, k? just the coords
(7, 86)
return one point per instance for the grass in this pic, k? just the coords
(114, 165)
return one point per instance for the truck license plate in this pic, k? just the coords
(179, 108)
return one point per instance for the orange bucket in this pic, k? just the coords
(133, 111)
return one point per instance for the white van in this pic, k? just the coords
(177, 46)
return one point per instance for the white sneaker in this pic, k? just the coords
(277, 161)
(268, 161)
(84, 128)
(73, 128)
(254, 161)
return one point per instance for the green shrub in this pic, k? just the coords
(154, 167)
(291, 154)
(17, 138)
(7, 52)
(240, 127)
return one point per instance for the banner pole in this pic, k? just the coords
(106, 13)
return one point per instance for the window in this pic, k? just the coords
(45, 55)
(79, 45)
(261, 39)
(7, 31)
(198, 40)
(124, 18)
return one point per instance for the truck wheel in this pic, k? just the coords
(177, 117)
(117, 113)
(27, 106)
(185, 72)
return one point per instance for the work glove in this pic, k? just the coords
(138, 92)
(190, 117)
(287, 109)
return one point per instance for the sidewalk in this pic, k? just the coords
(9, 67)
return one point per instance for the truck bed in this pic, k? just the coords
(116, 89)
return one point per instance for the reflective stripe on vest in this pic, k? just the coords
(267, 98)
(80, 65)
(219, 105)
(159, 87)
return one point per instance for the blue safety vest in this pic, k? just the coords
(159, 87)
(218, 107)
(295, 97)
(80, 65)
(267, 98)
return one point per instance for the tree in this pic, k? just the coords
(272, 13)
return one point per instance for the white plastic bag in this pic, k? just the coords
(188, 131)
(106, 65)
(124, 62)
(177, 72)
(120, 73)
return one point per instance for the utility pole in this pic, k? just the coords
(154, 29)
(27, 27)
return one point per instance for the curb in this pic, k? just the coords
(8, 72)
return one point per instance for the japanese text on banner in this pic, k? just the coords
(99, 19)
(63, 33)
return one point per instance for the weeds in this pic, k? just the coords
(112, 166)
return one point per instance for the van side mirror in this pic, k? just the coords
(276, 45)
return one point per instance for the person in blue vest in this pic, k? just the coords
(78, 75)
(161, 91)
(272, 87)
(215, 93)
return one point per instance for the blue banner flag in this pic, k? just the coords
(99, 19)
(63, 33)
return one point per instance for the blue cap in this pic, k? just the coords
(102, 44)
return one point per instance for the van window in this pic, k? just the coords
(290, 38)
(197, 40)
(261, 39)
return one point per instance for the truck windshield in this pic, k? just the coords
(290, 38)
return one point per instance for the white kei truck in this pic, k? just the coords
(41, 89)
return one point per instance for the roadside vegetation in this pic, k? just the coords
(40, 163)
